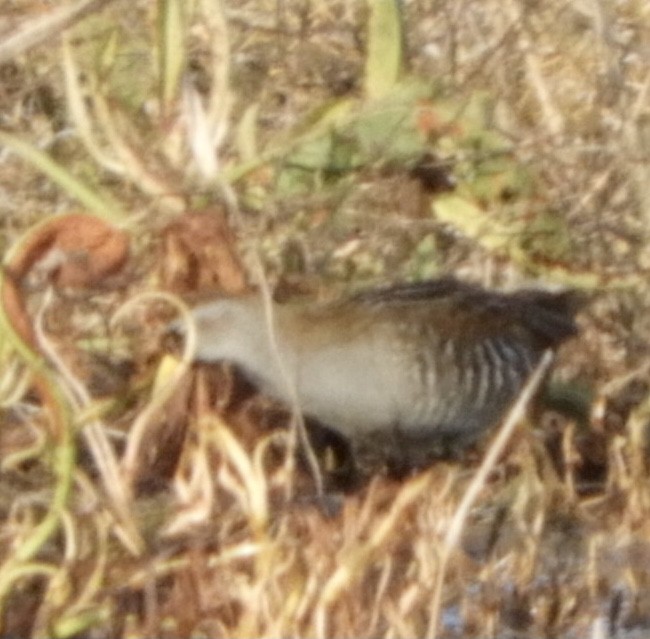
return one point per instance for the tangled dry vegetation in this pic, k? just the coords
(185, 148)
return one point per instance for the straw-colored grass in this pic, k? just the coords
(284, 141)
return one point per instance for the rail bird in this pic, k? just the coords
(399, 373)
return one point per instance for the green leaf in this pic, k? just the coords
(384, 55)
(247, 134)
(547, 237)
(99, 204)
(476, 223)
(171, 49)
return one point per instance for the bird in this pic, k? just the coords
(399, 374)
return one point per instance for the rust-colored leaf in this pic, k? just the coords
(200, 254)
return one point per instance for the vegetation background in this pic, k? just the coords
(313, 147)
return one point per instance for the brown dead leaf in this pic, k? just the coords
(74, 250)
(77, 250)
(200, 254)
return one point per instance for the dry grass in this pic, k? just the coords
(136, 500)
